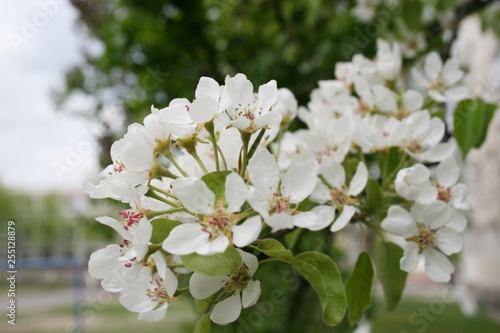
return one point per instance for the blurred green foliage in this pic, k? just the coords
(153, 51)
(49, 224)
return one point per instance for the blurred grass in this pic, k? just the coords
(181, 317)
(420, 316)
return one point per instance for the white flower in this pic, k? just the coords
(442, 82)
(132, 158)
(151, 293)
(275, 198)
(328, 137)
(388, 60)
(359, 67)
(331, 98)
(423, 138)
(377, 132)
(427, 234)
(239, 290)
(413, 184)
(119, 264)
(365, 9)
(246, 111)
(217, 226)
(335, 191)
(289, 106)
(453, 193)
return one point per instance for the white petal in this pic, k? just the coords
(457, 93)
(250, 295)
(399, 222)
(426, 194)
(264, 172)
(194, 195)
(437, 266)
(385, 99)
(185, 239)
(326, 214)
(459, 197)
(250, 261)
(102, 260)
(280, 221)
(409, 261)
(321, 193)
(439, 152)
(203, 109)
(333, 172)
(154, 315)
(176, 114)
(170, 282)
(417, 174)
(436, 95)
(247, 232)
(202, 286)
(437, 214)
(119, 227)
(236, 192)
(259, 202)
(216, 245)
(420, 79)
(458, 221)
(433, 65)
(267, 95)
(448, 241)
(227, 311)
(241, 123)
(412, 100)
(306, 220)
(447, 172)
(266, 119)
(452, 72)
(359, 180)
(299, 181)
(343, 219)
(207, 87)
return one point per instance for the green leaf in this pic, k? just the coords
(411, 13)
(273, 248)
(219, 264)
(391, 277)
(161, 229)
(324, 277)
(216, 181)
(372, 195)
(202, 305)
(203, 325)
(358, 287)
(292, 237)
(471, 121)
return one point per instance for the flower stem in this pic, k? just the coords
(168, 211)
(245, 137)
(154, 195)
(174, 163)
(157, 189)
(211, 130)
(200, 163)
(256, 143)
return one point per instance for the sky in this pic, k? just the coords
(41, 149)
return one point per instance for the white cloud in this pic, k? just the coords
(33, 135)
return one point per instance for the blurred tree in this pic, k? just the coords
(154, 51)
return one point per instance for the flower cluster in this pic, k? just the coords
(209, 178)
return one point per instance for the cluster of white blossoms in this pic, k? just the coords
(205, 177)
